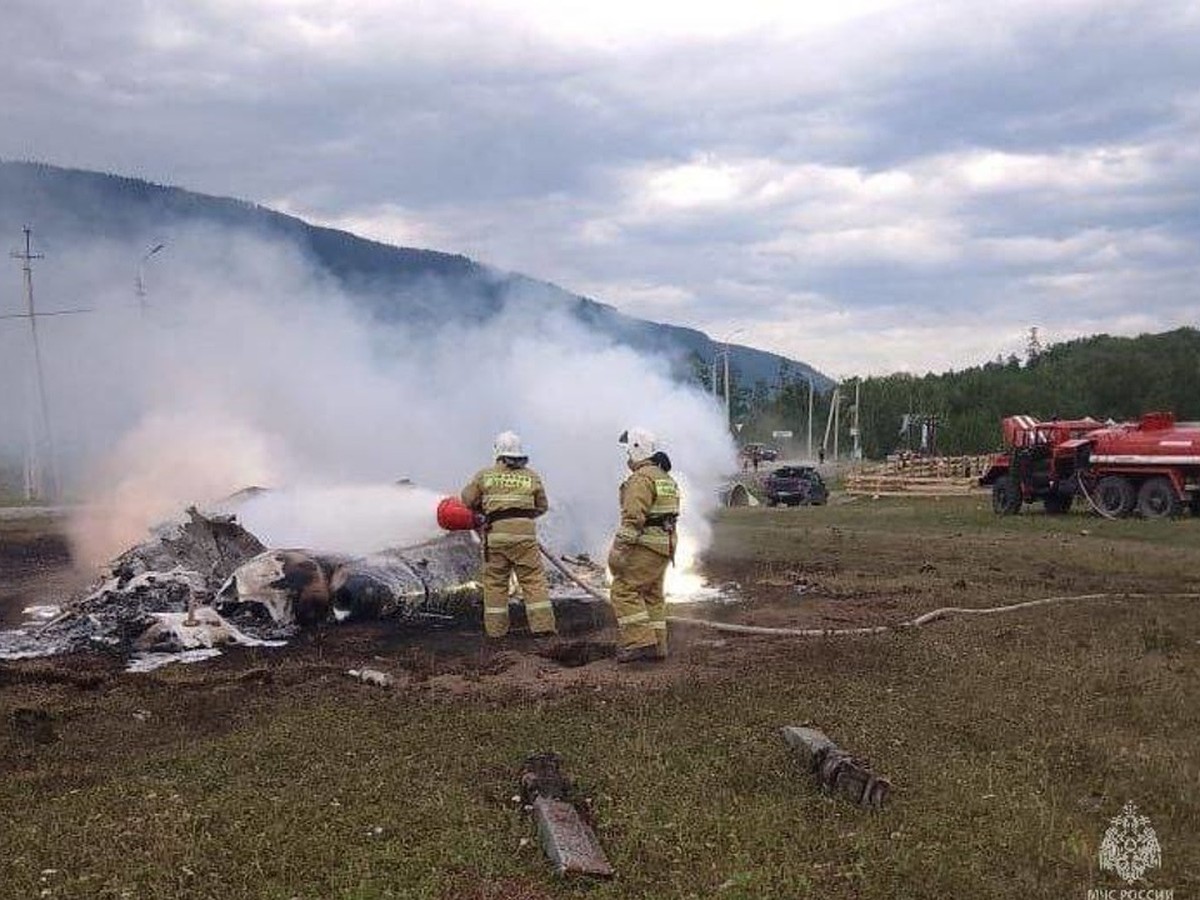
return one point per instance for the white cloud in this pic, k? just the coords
(1094, 169)
(765, 161)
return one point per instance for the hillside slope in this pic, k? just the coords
(395, 283)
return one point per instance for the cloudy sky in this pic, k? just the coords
(866, 185)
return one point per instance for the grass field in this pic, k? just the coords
(1011, 740)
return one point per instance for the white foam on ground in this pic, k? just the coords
(41, 613)
(701, 592)
(18, 643)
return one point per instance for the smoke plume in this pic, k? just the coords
(248, 367)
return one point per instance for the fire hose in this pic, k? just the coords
(1088, 497)
(923, 619)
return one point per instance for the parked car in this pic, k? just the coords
(795, 486)
(756, 453)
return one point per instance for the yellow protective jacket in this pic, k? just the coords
(649, 505)
(501, 489)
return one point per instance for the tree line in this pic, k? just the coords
(1100, 376)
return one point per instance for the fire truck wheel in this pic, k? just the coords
(1157, 499)
(1115, 496)
(1006, 496)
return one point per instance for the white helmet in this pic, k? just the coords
(640, 443)
(508, 446)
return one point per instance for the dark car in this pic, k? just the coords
(795, 486)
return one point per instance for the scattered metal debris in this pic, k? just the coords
(175, 571)
(836, 770)
(567, 840)
(211, 545)
(372, 676)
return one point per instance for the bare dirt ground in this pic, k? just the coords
(35, 566)
(854, 571)
(1011, 740)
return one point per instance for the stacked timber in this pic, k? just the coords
(908, 476)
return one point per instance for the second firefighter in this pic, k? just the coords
(642, 548)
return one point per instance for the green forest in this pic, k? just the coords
(1101, 376)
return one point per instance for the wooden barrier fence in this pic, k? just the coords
(941, 476)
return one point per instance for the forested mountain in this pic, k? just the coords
(1102, 376)
(394, 283)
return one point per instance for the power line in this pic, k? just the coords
(42, 315)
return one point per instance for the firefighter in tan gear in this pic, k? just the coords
(509, 496)
(644, 544)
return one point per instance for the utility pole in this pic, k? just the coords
(856, 432)
(834, 400)
(837, 420)
(728, 412)
(33, 469)
(810, 415)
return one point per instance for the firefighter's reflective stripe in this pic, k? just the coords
(519, 558)
(507, 489)
(666, 503)
(504, 489)
(659, 493)
(509, 498)
(509, 478)
(637, 598)
(666, 498)
(504, 501)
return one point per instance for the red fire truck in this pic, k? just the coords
(1151, 466)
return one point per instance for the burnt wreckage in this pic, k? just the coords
(208, 581)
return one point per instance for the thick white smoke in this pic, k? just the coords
(251, 369)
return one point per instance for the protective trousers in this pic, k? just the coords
(637, 596)
(504, 556)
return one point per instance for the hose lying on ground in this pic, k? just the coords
(923, 619)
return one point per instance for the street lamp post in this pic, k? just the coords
(725, 352)
(139, 285)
